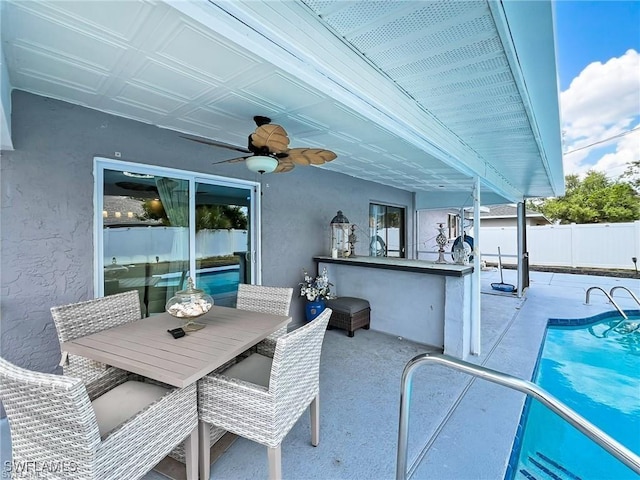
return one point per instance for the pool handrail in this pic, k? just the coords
(608, 443)
(622, 287)
(620, 311)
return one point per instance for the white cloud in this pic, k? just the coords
(627, 151)
(601, 102)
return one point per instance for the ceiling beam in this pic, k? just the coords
(528, 36)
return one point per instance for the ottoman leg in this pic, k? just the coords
(366, 327)
(350, 333)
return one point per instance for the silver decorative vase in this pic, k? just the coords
(441, 240)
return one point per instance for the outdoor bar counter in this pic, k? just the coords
(418, 300)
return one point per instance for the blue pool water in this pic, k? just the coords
(212, 280)
(215, 281)
(594, 369)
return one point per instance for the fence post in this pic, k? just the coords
(636, 244)
(572, 231)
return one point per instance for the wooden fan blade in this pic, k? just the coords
(284, 166)
(213, 143)
(321, 156)
(310, 156)
(273, 137)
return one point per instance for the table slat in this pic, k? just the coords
(146, 348)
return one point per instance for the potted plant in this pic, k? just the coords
(316, 291)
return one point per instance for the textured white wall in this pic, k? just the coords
(413, 309)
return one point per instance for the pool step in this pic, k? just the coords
(546, 469)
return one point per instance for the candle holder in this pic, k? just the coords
(441, 240)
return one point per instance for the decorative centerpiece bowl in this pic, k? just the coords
(189, 304)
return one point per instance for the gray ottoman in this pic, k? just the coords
(349, 313)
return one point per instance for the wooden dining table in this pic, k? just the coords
(146, 348)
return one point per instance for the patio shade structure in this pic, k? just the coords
(423, 96)
(434, 104)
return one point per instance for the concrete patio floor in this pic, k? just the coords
(460, 428)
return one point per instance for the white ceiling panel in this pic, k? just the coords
(300, 125)
(243, 106)
(193, 48)
(121, 23)
(410, 94)
(171, 80)
(58, 71)
(52, 37)
(282, 91)
(144, 97)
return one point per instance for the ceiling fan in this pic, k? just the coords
(270, 152)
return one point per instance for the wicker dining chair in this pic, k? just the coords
(273, 300)
(61, 429)
(255, 298)
(84, 318)
(261, 398)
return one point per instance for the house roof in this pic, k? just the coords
(423, 96)
(122, 210)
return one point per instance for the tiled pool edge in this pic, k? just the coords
(580, 322)
(514, 457)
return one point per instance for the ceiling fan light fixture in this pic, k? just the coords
(262, 163)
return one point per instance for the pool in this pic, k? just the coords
(214, 281)
(219, 280)
(592, 365)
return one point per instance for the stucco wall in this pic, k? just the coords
(46, 255)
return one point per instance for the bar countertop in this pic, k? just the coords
(402, 264)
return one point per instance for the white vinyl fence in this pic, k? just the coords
(143, 245)
(600, 245)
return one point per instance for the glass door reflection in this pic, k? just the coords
(222, 240)
(158, 227)
(145, 236)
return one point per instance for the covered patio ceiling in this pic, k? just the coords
(420, 95)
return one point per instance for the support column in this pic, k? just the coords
(475, 278)
(523, 254)
(457, 316)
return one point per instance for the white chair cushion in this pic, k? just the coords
(255, 369)
(123, 402)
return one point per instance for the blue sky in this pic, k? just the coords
(589, 31)
(597, 45)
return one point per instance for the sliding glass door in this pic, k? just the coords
(157, 227)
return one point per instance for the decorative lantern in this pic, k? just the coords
(340, 226)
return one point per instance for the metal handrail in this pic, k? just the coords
(611, 445)
(633, 295)
(624, 315)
